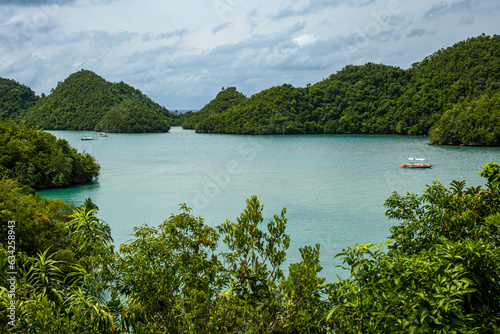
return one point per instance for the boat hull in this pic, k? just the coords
(403, 166)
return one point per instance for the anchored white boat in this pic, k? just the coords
(416, 163)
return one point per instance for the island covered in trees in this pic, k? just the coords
(85, 101)
(451, 95)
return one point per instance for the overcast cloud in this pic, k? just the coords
(181, 53)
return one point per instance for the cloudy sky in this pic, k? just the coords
(180, 53)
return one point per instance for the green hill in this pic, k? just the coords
(85, 101)
(204, 119)
(15, 99)
(375, 98)
(133, 116)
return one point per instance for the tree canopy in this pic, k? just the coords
(15, 99)
(39, 160)
(225, 99)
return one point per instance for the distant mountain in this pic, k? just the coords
(381, 99)
(85, 101)
(15, 99)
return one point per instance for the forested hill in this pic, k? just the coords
(15, 99)
(381, 99)
(224, 100)
(86, 101)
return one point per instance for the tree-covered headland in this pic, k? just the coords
(37, 159)
(451, 95)
(439, 271)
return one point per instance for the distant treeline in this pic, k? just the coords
(452, 95)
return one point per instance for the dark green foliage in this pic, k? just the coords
(380, 99)
(464, 72)
(132, 116)
(175, 282)
(85, 99)
(204, 119)
(66, 295)
(40, 222)
(15, 99)
(37, 159)
(471, 123)
(169, 273)
(441, 274)
(62, 264)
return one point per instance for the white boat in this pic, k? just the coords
(102, 134)
(88, 138)
(416, 163)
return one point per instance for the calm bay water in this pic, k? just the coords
(333, 186)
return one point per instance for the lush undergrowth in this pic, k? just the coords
(439, 271)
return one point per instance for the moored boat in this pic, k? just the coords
(416, 163)
(88, 138)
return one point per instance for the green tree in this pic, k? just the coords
(169, 276)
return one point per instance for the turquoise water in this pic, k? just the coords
(333, 186)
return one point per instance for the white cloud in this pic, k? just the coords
(305, 39)
(182, 53)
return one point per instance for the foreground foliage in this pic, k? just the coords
(438, 273)
(37, 159)
(442, 272)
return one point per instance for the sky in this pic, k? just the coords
(182, 53)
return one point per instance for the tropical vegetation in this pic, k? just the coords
(205, 119)
(450, 94)
(15, 99)
(39, 160)
(439, 271)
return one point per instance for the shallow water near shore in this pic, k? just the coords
(333, 186)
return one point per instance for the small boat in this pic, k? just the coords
(102, 134)
(88, 138)
(416, 163)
